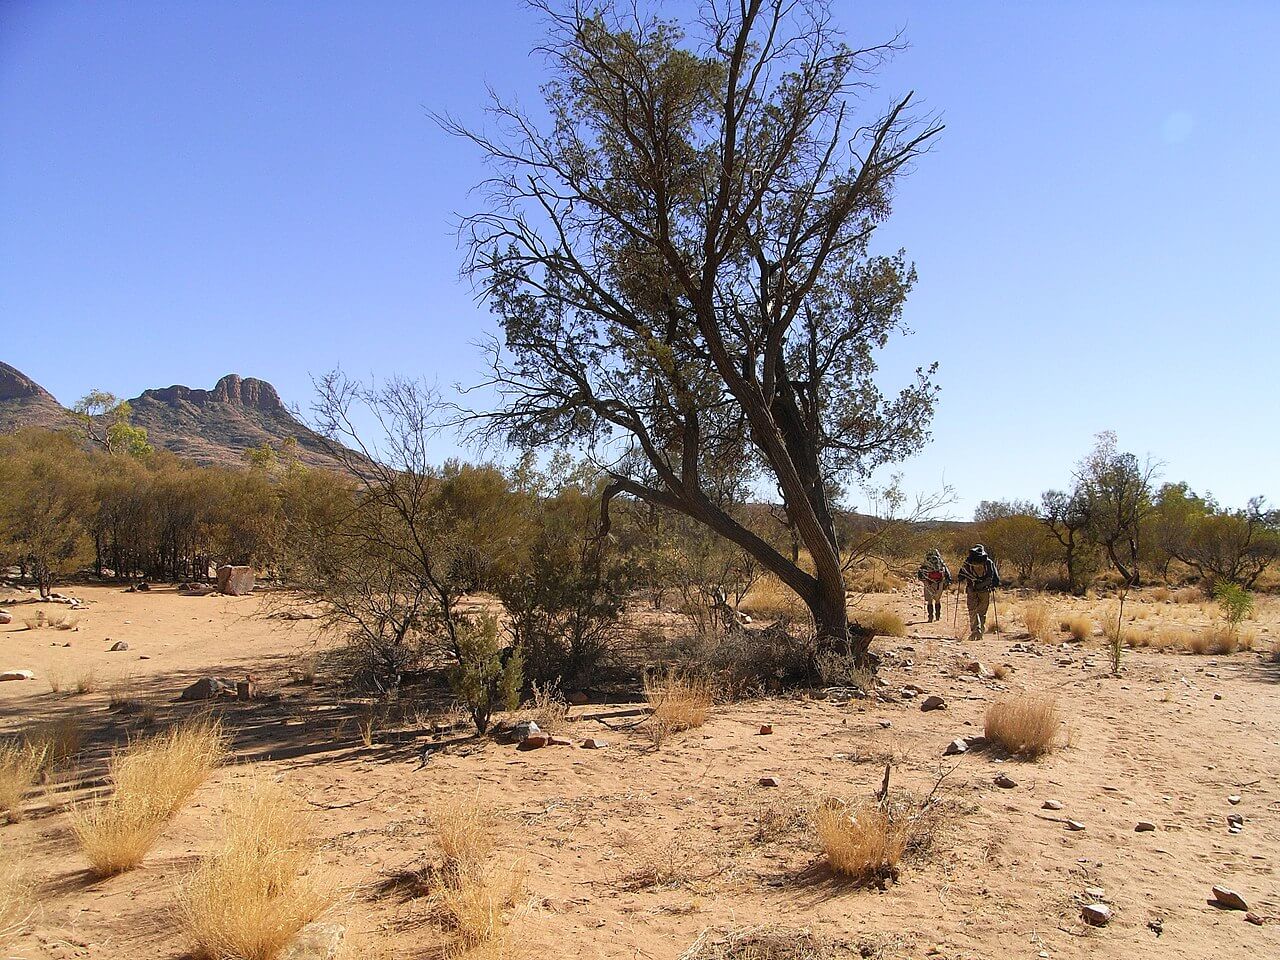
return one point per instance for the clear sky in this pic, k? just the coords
(191, 189)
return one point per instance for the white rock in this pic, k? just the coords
(17, 675)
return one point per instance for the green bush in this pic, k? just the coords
(487, 677)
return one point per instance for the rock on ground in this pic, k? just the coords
(235, 581)
(17, 675)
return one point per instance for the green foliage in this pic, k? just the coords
(104, 420)
(486, 678)
(1235, 600)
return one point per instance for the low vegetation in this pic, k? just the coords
(864, 842)
(1025, 724)
(151, 780)
(16, 901)
(1036, 617)
(250, 898)
(679, 702)
(20, 765)
(882, 623)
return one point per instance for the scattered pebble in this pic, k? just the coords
(1006, 782)
(1233, 799)
(766, 729)
(1051, 805)
(1144, 826)
(770, 782)
(1096, 914)
(955, 747)
(933, 702)
(592, 743)
(1075, 825)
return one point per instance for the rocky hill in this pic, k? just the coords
(24, 403)
(204, 426)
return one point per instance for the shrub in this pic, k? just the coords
(249, 900)
(486, 678)
(771, 599)
(679, 702)
(1025, 724)
(1036, 617)
(1236, 602)
(20, 764)
(550, 710)
(758, 943)
(882, 623)
(152, 779)
(864, 843)
(1188, 595)
(1160, 594)
(474, 909)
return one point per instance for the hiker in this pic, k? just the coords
(935, 576)
(979, 575)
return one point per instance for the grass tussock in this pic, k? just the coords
(1079, 625)
(1188, 595)
(771, 599)
(61, 738)
(475, 909)
(864, 842)
(248, 900)
(20, 765)
(87, 682)
(679, 702)
(1160, 594)
(16, 902)
(151, 778)
(882, 623)
(1035, 616)
(1025, 724)
(465, 831)
(549, 709)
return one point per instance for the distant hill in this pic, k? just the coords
(208, 427)
(24, 403)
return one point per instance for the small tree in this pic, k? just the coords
(1118, 490)
(1236, 603)
(1066, 515)
(486, 677)
(105, 420)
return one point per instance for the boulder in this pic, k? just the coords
(235, 581)
(118, 646)
(933, 702)
(208, 688)
(1228, 899)
(17, 675)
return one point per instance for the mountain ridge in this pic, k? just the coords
(213, 427)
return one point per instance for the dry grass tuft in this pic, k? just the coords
(865, 842)
(882, 623)
(1079, 625)
(550, 709)
(16, 904)
(465, 832)
(1025, 724)
(250, 899)
(679, 702)
(61, 738)
(152, 779)
(474, 908)
(87, 682)
(758, 943)
(771, 599)
(1036, 617)
(1188, 595)
(20, 765)
(1160, 594)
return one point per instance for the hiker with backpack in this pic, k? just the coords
(935, 577)
(980, 577)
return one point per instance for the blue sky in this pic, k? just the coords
(191, 189)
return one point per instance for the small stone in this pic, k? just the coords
(521, 731)
(1051, 805)
(554, 741)
(316, 941)
(1217, 696)
(955, 747)
(534, 741)
(1233, 799)
(1096, 914)
(1005, 782)
(118, 646)
(933, 702)
(770, 782)
(1095, 893)
(591, 743)
(5, 617)
(1228, 899)
(1254, 918)
(17, 675)
(1235, 820)
(207, 688)
(886, 724)
(1143, 826)
(766, 729)
(1075, 825)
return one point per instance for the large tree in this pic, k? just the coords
(680, 258)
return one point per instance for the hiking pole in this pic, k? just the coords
(994, 612)
(955, 612)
